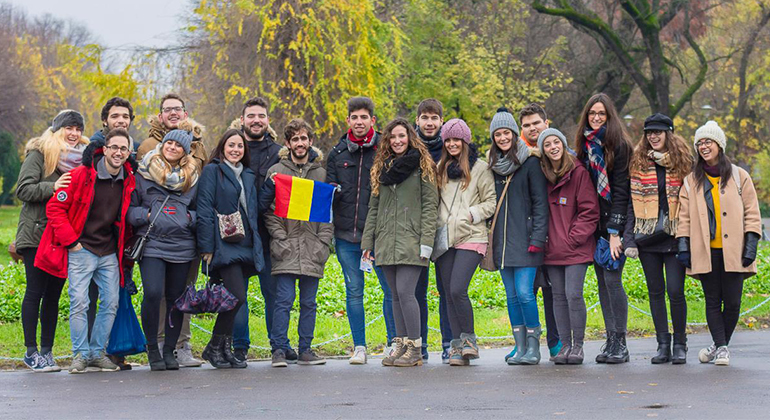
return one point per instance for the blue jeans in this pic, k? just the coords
(519, 288)
(443, 315)
(82, 268)
(349, 256)
(241, 338)
(286, 291)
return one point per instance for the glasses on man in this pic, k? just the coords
(170, 109)
(115, 148)
(704, 143)
(600, 114)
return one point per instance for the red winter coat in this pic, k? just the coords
(68, 209)
(574, 217)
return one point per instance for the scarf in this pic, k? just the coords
(644, 195)
(70, 158)
(152, 167)
(713, 171)
(453, 170)
(364, 141)
(504, 166)
(398, 169)
(597, 167)
(238, 170)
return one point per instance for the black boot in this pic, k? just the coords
(213, 352)
(664, 349)
(155, 359)
(619, 353)
(227, 351)
(169, 358)
(606, 348)
(679, 356)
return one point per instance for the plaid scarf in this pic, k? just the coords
(644, 195)
(597, 167)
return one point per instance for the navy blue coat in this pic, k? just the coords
(218, 192)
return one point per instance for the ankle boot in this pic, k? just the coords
(155, 359)
(456, 354)
(413, 354)
(664, 349)
(398, 351)
(213, 352)
(619, 352)
(576, 352)
(679, 356)
(169, 358)
(562, 356)
(520, 337)
(470, 350)
(532, 356)
(606, 348)
(227, 352)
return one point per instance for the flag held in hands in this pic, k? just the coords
(303, 199)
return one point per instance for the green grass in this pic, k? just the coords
(9, 218)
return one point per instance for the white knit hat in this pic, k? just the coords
(711, 131)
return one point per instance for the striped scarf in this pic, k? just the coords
(644, 195)
(597, 167)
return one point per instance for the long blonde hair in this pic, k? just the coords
(51, 145)
(384, 154)
(190, 167)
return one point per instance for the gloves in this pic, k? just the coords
(632, 252)
(533, 249)
(684, 251)
(750, 242)
(128, 282)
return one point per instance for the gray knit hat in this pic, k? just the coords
(711, 130)
(68, 118)
(551, 132)
(182, 137)
(503, 119)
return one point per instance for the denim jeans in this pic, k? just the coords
(443, 315)
(286, 291)
(349, 256)
(82, 268)
(519, 289)
(241, 339)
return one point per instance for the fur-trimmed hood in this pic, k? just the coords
(158, 130)
(94, 151)
(35, 142)
(316, 155)
(236, 124)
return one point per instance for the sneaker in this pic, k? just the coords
(36, 362)
(279, 359)
(445, 355)
(103, 364)
(359, 356)
(722, 357)
(52, 366)
(554, 350)
(387, 351)
(708, 354)
(291, 356)
(185, 358)
(79, 364)
(308, 357)
(242, 355)
(120, 361)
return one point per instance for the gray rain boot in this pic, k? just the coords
(520, 337)
(532, 357)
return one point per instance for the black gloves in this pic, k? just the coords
(128, 282)
(750, 242)
(684, 251)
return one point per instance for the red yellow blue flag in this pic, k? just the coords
(303, 199)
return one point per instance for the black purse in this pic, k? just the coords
(135, 246)
(657, 235)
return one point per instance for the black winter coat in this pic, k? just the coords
(614, 215)
(523, 218)
(263, 154)
(349, 166)
(218, 193)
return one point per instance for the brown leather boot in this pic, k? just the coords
(413, 354)
(398, 350)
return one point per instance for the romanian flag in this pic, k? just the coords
(303, 199)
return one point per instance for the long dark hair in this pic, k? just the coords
(614, 136)
(463, 161)
(219, 151)
(723, 163)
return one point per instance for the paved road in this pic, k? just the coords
(488, 389)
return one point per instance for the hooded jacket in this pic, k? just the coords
(158, 131)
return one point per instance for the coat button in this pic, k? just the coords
(724, 213)
(725, 235)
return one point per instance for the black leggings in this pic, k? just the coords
(653, 265)
(402, 280)
(159, 275)
(457, 267)
(613, 299)
(722, 288)
(41, 287)
(234, 280)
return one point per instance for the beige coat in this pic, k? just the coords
(467, 221)
(740, 214)
(158, 131)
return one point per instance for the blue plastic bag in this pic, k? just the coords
(126, 337)
(603, 256)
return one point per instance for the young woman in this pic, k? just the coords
(660, 162)
(467, 200)
(520, 231)
(602, 146)
(227, 187)
(574, 211)
(167, 174)
(401, 228)
(48, 160)
(719, 198)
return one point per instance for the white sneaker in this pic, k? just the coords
(185, 358)
(722, 357)
(359, 356)
(387, 351)
(707, 355)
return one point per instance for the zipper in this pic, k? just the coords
(358, 194)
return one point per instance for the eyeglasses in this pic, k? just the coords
(115, 149)
(706, 143)
(653, 133)
(600, 114)
(171, 109)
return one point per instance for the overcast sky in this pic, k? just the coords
(116, 23)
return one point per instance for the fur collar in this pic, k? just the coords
(158, 130)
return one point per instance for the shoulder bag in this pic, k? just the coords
(135, 246)
(488, 262)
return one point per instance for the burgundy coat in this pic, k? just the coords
(574, 217)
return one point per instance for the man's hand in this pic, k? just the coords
(207, 256)
(76, 248)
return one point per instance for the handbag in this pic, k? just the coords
(488, 262)
(441, 241)
(135, 246)
(126, 336)
(213, 298)
(231, 225)
(657, 235)
(603, 256)
(13, 252)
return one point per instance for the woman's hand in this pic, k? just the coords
(616, 248)
(207, 256)
(63, 181)
(368, 255)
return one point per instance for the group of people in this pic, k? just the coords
(537, 208)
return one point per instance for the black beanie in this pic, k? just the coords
(68, 118)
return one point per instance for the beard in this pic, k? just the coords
(295, 155)
(254, 134)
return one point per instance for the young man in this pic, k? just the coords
(430, 118)
(349, 165)
(263, 152)
(299, 249)
(85, 239)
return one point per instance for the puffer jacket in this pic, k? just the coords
(467, 221)
(297, 247)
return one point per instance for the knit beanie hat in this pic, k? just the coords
(456, 129)
(550, 132)
(503, 119)
(711, 131)
(182, 137)
(68, 118)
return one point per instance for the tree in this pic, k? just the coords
(9, 167)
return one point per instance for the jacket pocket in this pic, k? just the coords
(280, 249)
